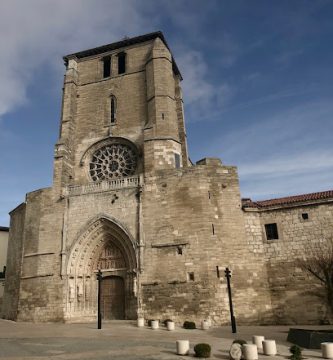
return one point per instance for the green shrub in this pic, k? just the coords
(166, 321)
(202, 350)
(239, 341)
(296, 352)
(189, 325)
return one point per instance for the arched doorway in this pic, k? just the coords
(107, 246)
(111, 261)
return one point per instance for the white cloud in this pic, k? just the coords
(296, 165)
(37, 31)
(287, 152)
(194, 69)
(200, 95)
(287, 131)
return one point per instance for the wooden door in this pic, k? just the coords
(113, 298)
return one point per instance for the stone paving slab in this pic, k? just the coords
(123, 340)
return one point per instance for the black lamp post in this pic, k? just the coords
(99, 315)
(233, 319)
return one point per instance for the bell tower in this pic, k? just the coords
(164, 132)
(122, 113)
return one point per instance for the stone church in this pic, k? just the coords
(127, 200)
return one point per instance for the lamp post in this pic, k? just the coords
(99, 315)
(233, 319)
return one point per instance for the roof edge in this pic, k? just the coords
(123, 43)
(289, 201)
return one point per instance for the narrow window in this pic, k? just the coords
(305, 216)
(3, 273)
(179, 250)
(177, 161)
(190, 276)
(113, 109)
(121, 63)
(213, 229)
(271, 231)
(106, 66)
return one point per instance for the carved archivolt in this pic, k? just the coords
(103, 244)
(102, 233)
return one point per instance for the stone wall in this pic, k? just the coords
(296, 296)
(14, 263)
(41, 285)
(193, 223)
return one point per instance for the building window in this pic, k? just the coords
(121, 63)
(113, 109)
(190, 276)
(3, 273)
(106, 66)
(271, 231)
(305, 216)
(177, 161)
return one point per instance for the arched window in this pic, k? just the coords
(113, 109)
(121, 63)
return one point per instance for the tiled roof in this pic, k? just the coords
(289, 200)
(121, 44)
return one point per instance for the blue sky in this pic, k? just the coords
(258, 84)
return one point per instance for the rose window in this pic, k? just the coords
(112, 161)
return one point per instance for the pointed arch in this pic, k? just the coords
(93, 238)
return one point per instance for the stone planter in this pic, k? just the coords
(327, 350)
(205, 325)
(170, 325)
(269, 347)
(141, 322)
(250, 351)
(154, 324)
(257, 340)
(183, 347)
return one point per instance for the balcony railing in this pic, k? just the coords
(128, 182)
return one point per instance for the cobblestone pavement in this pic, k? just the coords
(123, 340)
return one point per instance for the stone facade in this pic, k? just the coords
(3, 258)
(301, 224)
(126, 199)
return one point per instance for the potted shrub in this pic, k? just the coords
(296, 352)
(189, 325)
(239, 341)
(202, 350)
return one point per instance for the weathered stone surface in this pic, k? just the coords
(235, 352)
(166, 232)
